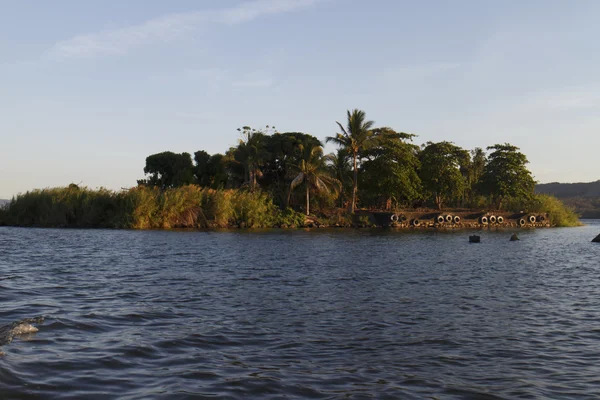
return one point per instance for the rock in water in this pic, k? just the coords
(24, 328)
(474, 239)
(514, 237)
(596, 239)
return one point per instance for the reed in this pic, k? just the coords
(145, 208)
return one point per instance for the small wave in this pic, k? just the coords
(22, 327)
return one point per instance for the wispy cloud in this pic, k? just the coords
(167, 28)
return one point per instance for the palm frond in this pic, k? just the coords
(297, 181)
(320, 185)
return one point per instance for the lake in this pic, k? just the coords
(301, 314)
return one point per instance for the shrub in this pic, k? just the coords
(289, 217)
(560, 215)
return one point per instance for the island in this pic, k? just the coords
(377, 177)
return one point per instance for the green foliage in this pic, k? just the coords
(288, 217)
(472, 167)
(313, 172)
(252, 184)
(251, 152)
(141, 208)
(168, 170)
(339, 167)
(440, 171)
(560, 214)
(506, 175)
(64, 207)
(389, 172)
(282, 155)
(356, 137)
(364, 221)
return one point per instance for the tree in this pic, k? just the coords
(281, 155)
(202, 158)
(339, 167)
(440, 171)
(168, 169)
(506, 175)
(313, 172)
(357, 136)
(250, 152)
(472, 170)
(389, 169)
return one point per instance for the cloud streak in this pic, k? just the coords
(167, 28)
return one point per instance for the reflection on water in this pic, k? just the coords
(320, 314)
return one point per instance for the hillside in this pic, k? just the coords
(583, 197)
(3, 202)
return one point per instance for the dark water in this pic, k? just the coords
(296, 314)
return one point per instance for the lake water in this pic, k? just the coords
(300, 314)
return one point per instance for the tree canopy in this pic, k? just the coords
(440, 171)
(373, 167)
(168, 169)
(505, 175)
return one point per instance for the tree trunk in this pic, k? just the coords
(253, 183)
(307, 199)
(355, 186)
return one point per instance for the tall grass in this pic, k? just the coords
(560, 214)
(144, 208)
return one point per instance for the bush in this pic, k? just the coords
(560, 215)
(289, 217)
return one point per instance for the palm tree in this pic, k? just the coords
(355, 138)
(340, 169)
(313, 171)
(249, 153)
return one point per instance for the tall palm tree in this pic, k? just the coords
(313, 171)
(354, 138)
(249, 153)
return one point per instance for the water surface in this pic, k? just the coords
(301, 314)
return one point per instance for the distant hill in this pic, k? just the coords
(583, 197)
(3, 202)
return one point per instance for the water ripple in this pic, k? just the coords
(324, 314)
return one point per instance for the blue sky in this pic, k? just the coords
(89, 89)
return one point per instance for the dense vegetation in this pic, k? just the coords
(270, 177)
(146, 207)
(373, 168)
(584, 198)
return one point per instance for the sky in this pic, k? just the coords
(90, 89)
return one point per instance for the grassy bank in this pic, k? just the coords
(560, 214)
(191, 206)
(145, 208)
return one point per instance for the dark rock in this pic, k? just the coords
(474, 239)
(596, 239)
(514, 237)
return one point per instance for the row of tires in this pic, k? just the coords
(449, 219)
(485, 219)
(402, 218)
(531, 219)
(491, 219)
